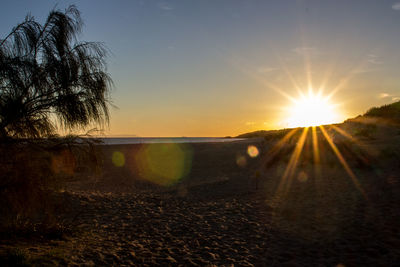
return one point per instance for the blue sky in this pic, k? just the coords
(216, 68)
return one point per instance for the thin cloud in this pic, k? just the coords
(364, 70)
(266, 69)
(165, 6)
(392, 97)
(306, 51)
(374, 59)
(372, 63)
(396, 6)
(383, 95)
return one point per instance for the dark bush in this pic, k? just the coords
(30, 174)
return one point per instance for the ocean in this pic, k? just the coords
(152, 140)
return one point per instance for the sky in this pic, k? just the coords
(226, 67)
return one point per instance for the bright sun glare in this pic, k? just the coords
(311, 110)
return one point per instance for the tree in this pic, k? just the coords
(50, 79)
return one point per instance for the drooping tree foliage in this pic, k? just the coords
(50, 79)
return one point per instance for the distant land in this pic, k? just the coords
(389, 113)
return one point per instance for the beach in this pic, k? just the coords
(200, 133)
(221, 210)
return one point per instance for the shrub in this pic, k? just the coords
(30, 172)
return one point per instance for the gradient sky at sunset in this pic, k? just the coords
(225, 67)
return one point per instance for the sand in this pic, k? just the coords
(218, 214)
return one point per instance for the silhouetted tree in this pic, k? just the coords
(50, 79)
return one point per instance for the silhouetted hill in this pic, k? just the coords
(263, 133)
(390, 111)
(385, 113)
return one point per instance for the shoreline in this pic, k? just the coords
(156, 140)
(225, 207)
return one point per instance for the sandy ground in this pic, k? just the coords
(226, 212)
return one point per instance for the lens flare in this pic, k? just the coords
(164, 164)
(63, 162)
(241, 161)
(118, 159)
(302, 177)
(252, 151)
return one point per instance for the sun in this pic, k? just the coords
(311, 110)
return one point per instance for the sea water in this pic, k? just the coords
(150, 140)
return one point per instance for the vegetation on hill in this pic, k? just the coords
(267, 134)
(390, 111)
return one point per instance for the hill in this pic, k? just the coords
(385, 113)
(390, 111)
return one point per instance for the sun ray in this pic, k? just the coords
(316, 158)
(275, 88)
(251, 72)
(307, 68)
(286, 179)
(306, 55)
(360, 144)
(342, 160)
(375, 121)
(289, 75)
(325, 79)
(330, 70)
(278, 146)
(315, 146)
(344, 133)
(346, 79)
